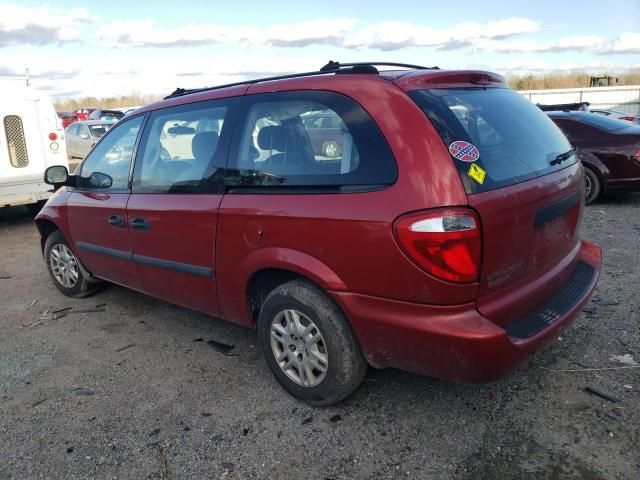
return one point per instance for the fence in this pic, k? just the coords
(626, 99)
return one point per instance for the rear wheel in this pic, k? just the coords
(309, 345)
(64, 267)
(593, 186)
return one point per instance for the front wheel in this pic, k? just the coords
(592, 184)
(64, 267)
(308, 344)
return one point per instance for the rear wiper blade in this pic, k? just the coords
(562, 157)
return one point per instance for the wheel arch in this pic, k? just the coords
(272, 267)
(45, 227)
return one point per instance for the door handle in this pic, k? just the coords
(116, 221)
(140, 223)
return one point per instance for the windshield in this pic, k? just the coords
(495, 136)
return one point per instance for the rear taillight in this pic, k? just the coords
(628, 119)
(53, 136)
(446, 243)
(637, 154)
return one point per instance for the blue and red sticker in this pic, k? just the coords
(464, 151)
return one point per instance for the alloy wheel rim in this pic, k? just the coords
(299, 348)
(331, 149)
(64, 265)
(587, 185)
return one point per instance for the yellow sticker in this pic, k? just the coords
(477, 173)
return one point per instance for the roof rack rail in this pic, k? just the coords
(331, 67)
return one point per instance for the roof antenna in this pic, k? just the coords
(27, 77)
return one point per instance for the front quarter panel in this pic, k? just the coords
(55, 211)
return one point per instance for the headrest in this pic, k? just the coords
(203, 145)
(273, 137)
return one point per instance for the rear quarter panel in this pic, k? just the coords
(344, 241)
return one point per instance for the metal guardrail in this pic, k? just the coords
(626, 98)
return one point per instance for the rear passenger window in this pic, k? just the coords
(181, 150)
(310, 139)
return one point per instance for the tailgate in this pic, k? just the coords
(524, 180)
(531, 237)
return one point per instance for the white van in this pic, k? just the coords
(31, 139)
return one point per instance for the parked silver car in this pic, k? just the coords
(81, 136)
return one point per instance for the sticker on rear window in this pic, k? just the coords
(464, 151)
(477, 173)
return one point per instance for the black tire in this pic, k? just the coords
(345, 366)
(82, 286)
(593, 185)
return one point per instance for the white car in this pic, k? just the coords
(31, 139)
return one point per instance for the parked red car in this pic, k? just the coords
(83, 113)
(447, 248)
(609, 149)
(67, 118)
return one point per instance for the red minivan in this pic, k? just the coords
(441, 238)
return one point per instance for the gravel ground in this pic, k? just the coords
(128, 392)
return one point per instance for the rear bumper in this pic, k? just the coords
(457, 342)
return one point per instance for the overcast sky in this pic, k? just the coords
(123, 46)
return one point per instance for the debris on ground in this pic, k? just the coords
(628, 387)
(125, 347)
(42, 400)
(307, 420)
(83, 391)
(605, 302)
(223, 348)
(625, 359)
(335, 418)
(60, 310)
(601, 394)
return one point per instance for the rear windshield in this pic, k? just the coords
(495, 136)
(111, 114)
(99, 130)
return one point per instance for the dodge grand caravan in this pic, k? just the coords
(442, 237)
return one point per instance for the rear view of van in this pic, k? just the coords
(31, 139)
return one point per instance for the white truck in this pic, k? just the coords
(31, 139)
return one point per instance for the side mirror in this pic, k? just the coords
(100, 180)
(56, 175)
(84, 136)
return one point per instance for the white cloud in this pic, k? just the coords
(40, 26)
(628, 42)
(146, 33)
(342, 32)
(576, 43)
